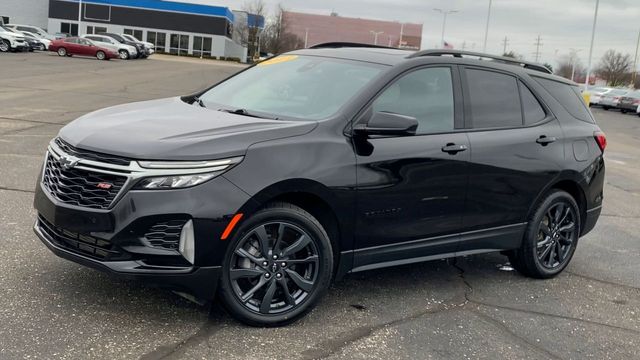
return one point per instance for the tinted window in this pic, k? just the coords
(425, 94)
(531, 108)
(494, 99)
(569, 97)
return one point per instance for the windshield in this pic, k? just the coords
(302, 87)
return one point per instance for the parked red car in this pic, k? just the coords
(80, 46)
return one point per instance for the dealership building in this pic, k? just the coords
(179, 28)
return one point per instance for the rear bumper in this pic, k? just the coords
(630, 107)
(199, 281)
(591, 219)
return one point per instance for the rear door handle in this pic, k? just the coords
(544, 140)
(453, 149)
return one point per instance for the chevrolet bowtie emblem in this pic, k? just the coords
(67, 162)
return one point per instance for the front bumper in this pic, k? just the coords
(199, 281)
(129, 252)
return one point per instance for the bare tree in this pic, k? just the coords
(276, 38)
(249, 33)
(566, 67)
(614, 67)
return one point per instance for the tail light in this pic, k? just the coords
(601, 139)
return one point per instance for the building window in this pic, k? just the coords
(68, 28)
(179, 44)
(158, 39)
(96, 30)
(202, 46)
(135, 33)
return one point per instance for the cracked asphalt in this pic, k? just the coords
(458, 309)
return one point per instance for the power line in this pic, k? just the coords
(505, 42)
(537, 44)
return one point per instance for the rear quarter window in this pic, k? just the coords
(569, 97)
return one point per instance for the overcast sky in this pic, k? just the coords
(561, 24)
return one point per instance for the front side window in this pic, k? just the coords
(494, 99)
(293, 86)
(426, 95)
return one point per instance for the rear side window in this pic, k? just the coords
(531, 108)
(569, 97)
(494, 99)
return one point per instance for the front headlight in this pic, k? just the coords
(181, 174)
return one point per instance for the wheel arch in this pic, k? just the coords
(569, 183)
(319, 201)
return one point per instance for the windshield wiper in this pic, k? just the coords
(197, 100)
(242, 112)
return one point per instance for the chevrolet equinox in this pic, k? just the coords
(265, 187)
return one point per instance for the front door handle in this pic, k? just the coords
(453, 149)
(545, 140)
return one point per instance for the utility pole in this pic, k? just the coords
(505, 42)
(375, 36)
(635, 63)
(444, 21)
(464, 45)
(486, 29)
(574, 59)
(306, 37)
(538, 43)
(401, 33)
(593, 35)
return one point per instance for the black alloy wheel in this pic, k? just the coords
(551, 237)
(277, 268)
(555, 236)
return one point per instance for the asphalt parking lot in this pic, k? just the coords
(465, 308)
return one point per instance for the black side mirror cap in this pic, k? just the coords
(388, 124)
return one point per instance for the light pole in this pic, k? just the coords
(79, 17)
(593, 35)
(375, 36)
(635, 63)
(306, 37)
(444, 21)
(486, 29)
(574, 59)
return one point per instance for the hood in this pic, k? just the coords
(170, 129)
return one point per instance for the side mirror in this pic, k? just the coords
(388, 124)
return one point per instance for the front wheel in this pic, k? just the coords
(277, 267)
(551, 237)
(124, 54)
(5, 46)
(62, 52)
(623, 111)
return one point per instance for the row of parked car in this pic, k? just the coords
(625, 100)
(103, 46)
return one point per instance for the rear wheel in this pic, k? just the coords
(101, 55)
(5, 46)
(605, 107)
(551, 237)
(623, 111)
(277, 267)
(62, 52)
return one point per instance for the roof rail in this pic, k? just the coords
(502, 59)
(335, 45)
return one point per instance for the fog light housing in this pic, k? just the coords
(187, 246)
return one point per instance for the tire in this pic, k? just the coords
(100, 55)
(62, 52)
(558, 244)
(124, 55)
(305, 282)
(623, 111)
(605, 107)
(5, 46)
(41, 47)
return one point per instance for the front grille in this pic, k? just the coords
(91, 155)
(165, 235)
(79, 243)
(79, 187)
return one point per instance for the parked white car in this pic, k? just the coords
(32, 29)
(596, 94)
(44, 43)
(149, 47)
(11, 40)
(126, 51)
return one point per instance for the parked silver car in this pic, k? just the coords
(126, 51)
(611, 98)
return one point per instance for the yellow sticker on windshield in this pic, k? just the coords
(278, 60)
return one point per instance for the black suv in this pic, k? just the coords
(321, 162)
